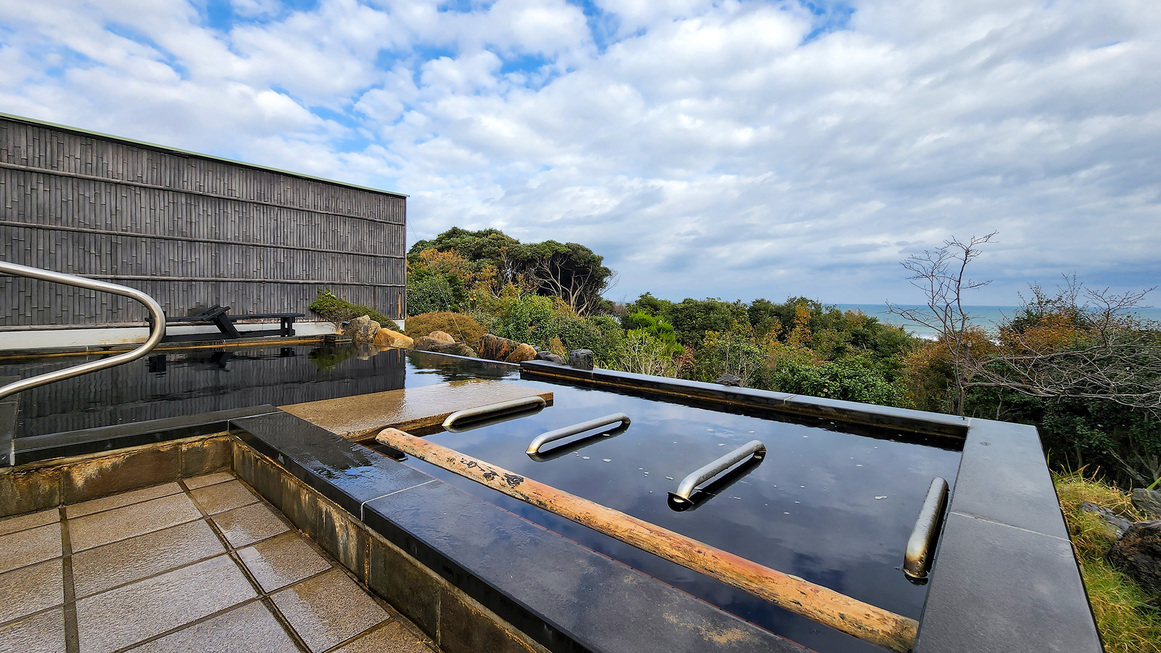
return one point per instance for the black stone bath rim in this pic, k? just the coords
(1004, 577)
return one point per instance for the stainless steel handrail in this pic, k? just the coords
(493, 410)
(917, 558)
(688, 484)
(559, 434)
(155, 336)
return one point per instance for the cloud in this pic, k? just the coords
(733, 149)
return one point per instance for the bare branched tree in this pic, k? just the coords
(1081, 344)
(940, 274)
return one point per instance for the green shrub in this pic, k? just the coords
(642, 353)
(603, 335)
(337, 310)
(525, 319)
(844, 380)
(432, 293)
(657, 328)
(461, 327)
(728, 352)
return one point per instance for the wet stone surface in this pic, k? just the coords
(199, 565)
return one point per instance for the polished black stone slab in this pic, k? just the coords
(996, 587)
(848, 411)
(531, 577)
(1003, 478)
(344, 472)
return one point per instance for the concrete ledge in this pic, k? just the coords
(561, 595)
(41, 485)
(109, 438)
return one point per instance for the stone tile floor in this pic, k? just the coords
(202, 564)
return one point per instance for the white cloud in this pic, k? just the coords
(709, 148)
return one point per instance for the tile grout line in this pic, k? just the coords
(362, 512)
(232, 552)
(71, 630)
(131, 503)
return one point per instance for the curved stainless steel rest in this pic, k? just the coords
(688, 484)
(560, 434)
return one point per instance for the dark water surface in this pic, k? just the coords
(832, 507)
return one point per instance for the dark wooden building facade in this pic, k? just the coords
(188, 229)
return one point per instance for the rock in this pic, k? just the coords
(456, 348)
(496, 348)
(1138, 552)
(442, 337)
(389, 338)
(581, 359)
(1148, 502)
(729, 379)
(523, 353)
(362, 329)
(423, 343)
(1119, 523)
(548, 356)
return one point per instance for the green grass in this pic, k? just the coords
(1128, 620)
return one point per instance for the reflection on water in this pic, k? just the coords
(188, 382)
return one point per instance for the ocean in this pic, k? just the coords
(989, 317)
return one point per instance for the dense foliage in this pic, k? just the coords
(1073, 363)
(337, 310)
(443, 270)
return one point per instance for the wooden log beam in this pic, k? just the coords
(825, 606)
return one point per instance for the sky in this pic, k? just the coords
(705, 149)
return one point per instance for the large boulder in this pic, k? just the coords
(362, 329)
(581, 359)
(1138, 552)
(1148, 502)
(523, 353)
(442, 337)
(496, 348)
(389, 338)
(424, 343)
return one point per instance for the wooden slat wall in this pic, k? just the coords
(190, 231)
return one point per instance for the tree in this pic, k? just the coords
(939, 274)
(569, 271)
(1081, 344)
